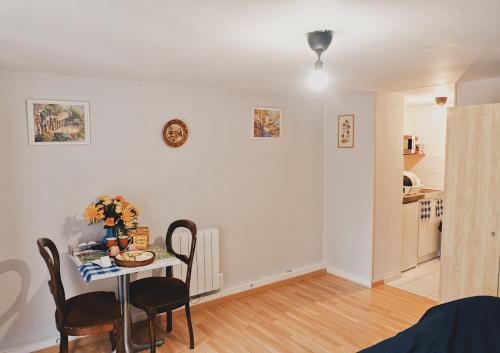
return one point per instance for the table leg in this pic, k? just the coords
(169, 273)
(123, 292)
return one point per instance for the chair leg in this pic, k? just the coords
(63, 345)
(169, 321)
(112, 339)
(190, 326)
(152, 334)
(120, 344)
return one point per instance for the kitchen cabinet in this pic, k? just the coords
(409, 241)
(470, 249)
(429, 236)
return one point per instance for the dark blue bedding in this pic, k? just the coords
(470, 325)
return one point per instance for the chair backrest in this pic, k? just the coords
(188, 260)
(55, 283)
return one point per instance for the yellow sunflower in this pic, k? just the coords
(129, 215)
(129, 225)
(93, 214)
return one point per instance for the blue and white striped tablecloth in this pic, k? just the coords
(91, 269)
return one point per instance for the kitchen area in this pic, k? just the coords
(423, 151)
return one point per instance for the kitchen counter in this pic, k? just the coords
(424, 194)
(412, 198)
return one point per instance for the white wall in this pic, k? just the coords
(265, 196)
(428, 122)
(388, 196)
(478, 92)
(349, 188)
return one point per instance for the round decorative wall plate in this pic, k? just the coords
(175, 133)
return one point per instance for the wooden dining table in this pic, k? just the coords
(162, 260)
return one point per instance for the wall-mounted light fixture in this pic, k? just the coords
(441, 100)
(319, 41)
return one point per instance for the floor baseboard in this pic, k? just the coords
(45, 343)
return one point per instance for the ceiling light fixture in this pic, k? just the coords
(319, 41)
(441, 100)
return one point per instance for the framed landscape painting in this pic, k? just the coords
(58, 122)
(267, 123)
(346, 131)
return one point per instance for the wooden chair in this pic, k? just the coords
(85, 314)
(157, 295)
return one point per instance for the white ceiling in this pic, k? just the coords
(388, 45)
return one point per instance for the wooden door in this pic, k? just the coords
(470, 248)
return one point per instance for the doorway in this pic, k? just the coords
(424, 144)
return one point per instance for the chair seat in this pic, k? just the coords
(91, 313)
(158, 293)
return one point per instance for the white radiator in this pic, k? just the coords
(205, 272)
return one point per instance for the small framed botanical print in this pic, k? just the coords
(58, 122)
(267, 123)
(346, 131)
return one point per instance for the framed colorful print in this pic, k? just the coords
(346, 131)
(58, 122)
(175, 133)
(267, 123)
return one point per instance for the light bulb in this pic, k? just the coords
(317, 79)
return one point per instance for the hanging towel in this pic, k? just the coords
(425, 210)
(439, 208)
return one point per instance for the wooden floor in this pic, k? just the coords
(317, 314)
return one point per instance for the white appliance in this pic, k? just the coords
(205, 277)
(411, 183)
(409, 239)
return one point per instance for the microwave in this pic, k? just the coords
(409, 144)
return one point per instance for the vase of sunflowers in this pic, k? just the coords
(117, 214)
